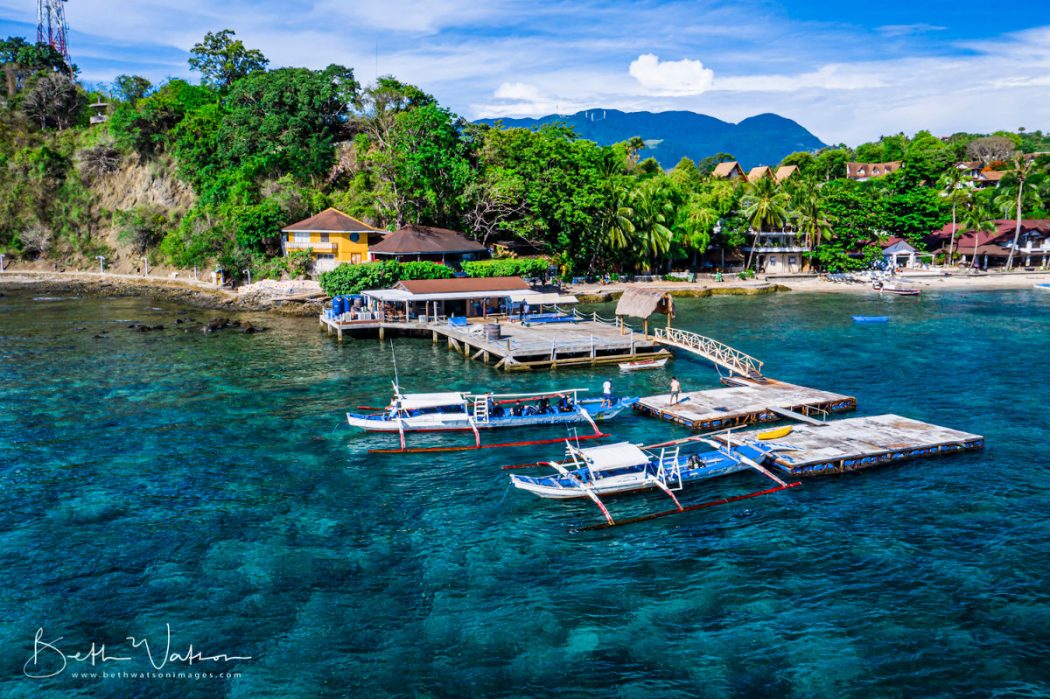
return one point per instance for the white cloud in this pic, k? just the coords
(518, 99)
(829, 77)
(684, 77)
(893, 30)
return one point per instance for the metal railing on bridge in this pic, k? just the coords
(718, 352)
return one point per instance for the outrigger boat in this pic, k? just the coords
(472, 412)
(625, 467)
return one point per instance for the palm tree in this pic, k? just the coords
(952, 187)
(810, 217)
(617, 219)
(1019, 174)
(695, 224)
(651, 212)
(764, 206)
(634, 146)
(977, 218)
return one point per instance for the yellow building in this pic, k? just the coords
(332, 238)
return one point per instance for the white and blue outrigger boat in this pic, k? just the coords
(622, 468)
(473, 412)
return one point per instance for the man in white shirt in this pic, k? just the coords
(676, 391)
(607, 392)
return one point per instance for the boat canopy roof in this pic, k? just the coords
(613, 456)
(418, 401)
(538, 299)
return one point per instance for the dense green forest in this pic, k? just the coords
(198, 174)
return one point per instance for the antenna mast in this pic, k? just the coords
(51, 26)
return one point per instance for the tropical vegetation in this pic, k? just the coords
(206, 174)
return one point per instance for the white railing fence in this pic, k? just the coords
(717, 352)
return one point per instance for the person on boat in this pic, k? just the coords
(607, 399)
(676, 391)
(545, 406)
(524, 310)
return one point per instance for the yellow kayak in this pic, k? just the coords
(775, 434)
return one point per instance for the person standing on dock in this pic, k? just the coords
(676, 391)
(607, 393)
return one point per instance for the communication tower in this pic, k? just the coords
(51, 26)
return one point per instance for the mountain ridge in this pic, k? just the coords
(761, 139)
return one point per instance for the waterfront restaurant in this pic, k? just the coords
(469, 297)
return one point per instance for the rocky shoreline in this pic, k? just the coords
(198, 296)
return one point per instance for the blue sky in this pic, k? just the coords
(849, 72)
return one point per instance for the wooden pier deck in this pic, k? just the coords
(856, 443)
(520, 347)
(744, 404)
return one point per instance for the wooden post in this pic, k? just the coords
(646, 326)
(382, 333)
(434, 336)
(340, 334)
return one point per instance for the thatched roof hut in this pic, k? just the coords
(642, 303)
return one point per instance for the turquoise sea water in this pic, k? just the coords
(208, 482)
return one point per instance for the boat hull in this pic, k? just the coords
(643, 365)
(579, 483)
(461, 422)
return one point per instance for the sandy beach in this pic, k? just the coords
(926, 281)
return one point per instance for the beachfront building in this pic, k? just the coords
(468, 297)
(786, 172)
(985, 249)
(729, 171)
(759, 173)
(862, 172)
(413, 242)
(777, 252)
(898, 253)
(332, 238)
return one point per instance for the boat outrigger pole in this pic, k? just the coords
(690, 508)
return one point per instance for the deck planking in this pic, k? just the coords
(852, 444)
(522, 348)
(743, 404)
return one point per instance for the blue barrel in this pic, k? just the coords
(337, 304)
(340, 307)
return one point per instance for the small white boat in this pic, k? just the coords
(1038, 287)
(896, 288)
(643, 364)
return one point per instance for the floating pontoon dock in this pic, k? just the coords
(862, 442)
(521, 347)
(744, 404)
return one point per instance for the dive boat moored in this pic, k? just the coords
(625, 467)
